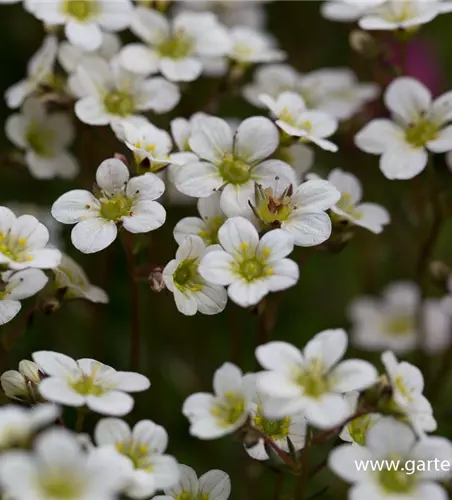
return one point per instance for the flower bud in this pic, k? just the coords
(439, 273)
(22, 385)
(155, 279)
(364, 44)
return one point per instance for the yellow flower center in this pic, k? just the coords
(61, 485)
(138, 453)
(396, 481)
(210, 233)
(178, 46)
(420, 133)
(119, 103)
(346, 205)
(39, 139)
(399, 326)
(277, 429)
(270, 209)
(186, 276)
(229, 409)
(82, 10)
(234, 171)
(313, 380)
(15, 250)
(116, 207)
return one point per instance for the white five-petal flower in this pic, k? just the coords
(419, 126)
(192, 293)
(45, 138)
(292, 116)
(251, 268)
(231, 161)
(23, 242)
(87, 382)
(129, 202)
(251, 46)
(312, 381)
(175, 49)
(16, 286)
(214, 415)
(84, 20)
(144, 448)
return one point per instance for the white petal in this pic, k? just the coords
(256, 139)
(181, 70)
(216, 267)
(443, 141)
(186, 302)
(56, 364)
(75, 206)
(390, 437)
(308, 229)
(235, 200)
(285, 274)
(270, 170)
(353, 375)
(150, 25)
(279, 356)
(137, 58)
(407, 98)
(238, 234)
(153, 436)
(131, 382)
(247, 294)
(216, 484)
(442, 108)
(57, 390)
(89, 110)
(192, 248)
(314, 195)
(86, 35)
(93, 235)
(328, 347)
(115, 403)
(403, 162)
(345, 182)
(145, 187)
(188, 482)
(158, 95)
(165, 471)
(147, 216)
(26, 283)
(15, 130)
(211, 299)
(8, 310)
(379, 135)
(211, 139)
(278, 385)
(112, 175)
(188, 226)
(228, 378)
(111, 431)
(343, 459)
(373, 217)
(329, 411)
(199, 179)
(17, 93)
(274, 246)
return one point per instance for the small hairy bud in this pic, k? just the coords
(439, 273)
(364, 44)
(155, 279)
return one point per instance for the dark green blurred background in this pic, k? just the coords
(180, 354)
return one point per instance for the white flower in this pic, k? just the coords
(58, 468)
(23, 242)
(407, 384)
(367, 215)
(16, 286)
(213, 485)
(392, 322)
(72, 282)
(129, 202)
(252, 46)
(192, 293)
(84, 20)
(356, 430)
(148, 142)
(299, 212)
(110, 93)
(207, 225)
(279, 430)
(389, 442)
(250, 268)
(175, 49)
(335, 91)
(296, 120)
(214, 415)
(182, 129)
(22, 385)
(144, 447)
(70, 56)
(233, 161)
(418, 126)
(312, 381)
(395, 15)
(45, 138)
(19, 424)
(39, 70)
(88, 382)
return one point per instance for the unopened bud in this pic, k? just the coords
(155, 279)
(440, 273)
(22, 385)
(364, 44)
(50, 305)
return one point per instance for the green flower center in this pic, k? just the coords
(251, 269)
(119, 103)
(346, 205)
(116, 207)
(210, 233)
(82, 10)
(137, 452)
(178, 46)
(61, 484)
(313, 380)
(421, 132)
(272, 210)
(277, 429)
(396, 481)
(186, 276)
(14, 250)
(229, 409)
(358, 428)
(234, 171)
(399, 326)
(39, 139)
